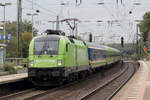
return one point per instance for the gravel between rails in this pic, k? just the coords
(9, 88)
(76, 91)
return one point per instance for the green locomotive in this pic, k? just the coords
(55, 58)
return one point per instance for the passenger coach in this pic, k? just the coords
(100, 55)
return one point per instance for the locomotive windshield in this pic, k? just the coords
(46, 47)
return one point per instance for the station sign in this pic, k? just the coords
(1, 36)
(7, 36)
(1, 28)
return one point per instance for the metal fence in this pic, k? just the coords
(18, 61)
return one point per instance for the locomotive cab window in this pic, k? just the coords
(67, 46)
(47, 47)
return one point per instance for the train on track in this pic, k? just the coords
(55, 58)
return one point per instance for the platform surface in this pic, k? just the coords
(138, 87)
(12, 78)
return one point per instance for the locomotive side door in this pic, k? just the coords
(76, 55)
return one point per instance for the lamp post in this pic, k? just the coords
(32, 15)
(4, 26)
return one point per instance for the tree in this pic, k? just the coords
(12, 48)
(145, 28)
(26, 38)
(11, 28)
(145, 25)
(27, 27)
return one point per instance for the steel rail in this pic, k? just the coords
(50, 91)
(61, 87)
(22, 93)
(15, 94)
(103, 85)
(39, 93)
(123, 84)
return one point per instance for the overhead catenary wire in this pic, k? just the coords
(54, 14)
(48, 11)
(122, 19)
(43, 8)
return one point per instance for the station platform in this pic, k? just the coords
(138, 87)
(13, 78)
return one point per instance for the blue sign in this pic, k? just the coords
(1, 36)
(148, 49)
(8, 37)
(4, 37)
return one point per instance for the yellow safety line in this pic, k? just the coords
(97, 48)
(97, 65)
(97, 61)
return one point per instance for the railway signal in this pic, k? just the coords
(122, 41)
(90, 37)
(145, 48)
(145, 37)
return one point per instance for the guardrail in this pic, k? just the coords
(18, 61)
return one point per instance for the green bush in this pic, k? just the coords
(134, 56)
(24, 60)
(9, 67)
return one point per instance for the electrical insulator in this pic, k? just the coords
(130, 12)
(37, 11)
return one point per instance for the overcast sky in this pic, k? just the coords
(89, 10)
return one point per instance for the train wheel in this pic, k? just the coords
(75, 76)
(90, 72)
(83, 74)
(60, 81)
(70, 78)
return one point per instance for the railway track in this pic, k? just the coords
(81, 89)
(23, 95)
(123, 83)
(94, 89)
(96, 85)
(13, 87)
(129, 70)
(33, 93)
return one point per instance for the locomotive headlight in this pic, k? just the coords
(59, 62)
(31, 63)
